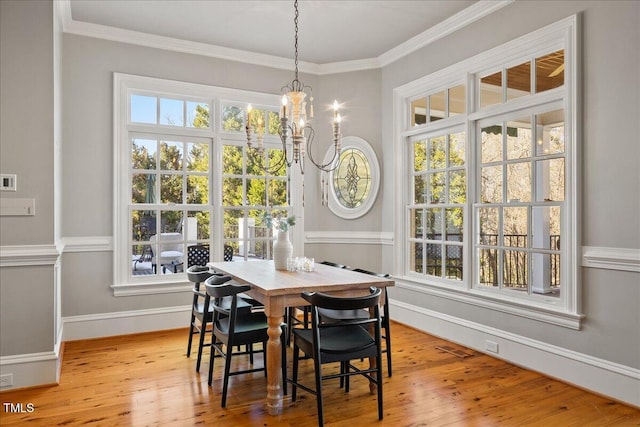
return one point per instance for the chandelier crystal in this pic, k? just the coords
(296, 131)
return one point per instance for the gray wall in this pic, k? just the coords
(610, 181)
(88, 146)
(26, 113)
(27, 293)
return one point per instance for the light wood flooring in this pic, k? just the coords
(147, 380)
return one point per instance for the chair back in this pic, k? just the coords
(197, 255)
(320, 300)
(218, 289)
(198, 274)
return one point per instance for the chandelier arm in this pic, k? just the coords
(282, 162)
(331, 165)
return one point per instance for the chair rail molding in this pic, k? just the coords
(28, 255)
(87, 244)
(611, 258)
(349, 237)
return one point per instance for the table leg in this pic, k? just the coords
(274, 362)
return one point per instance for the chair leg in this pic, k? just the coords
(318, 372)
(387, 338)
(379, 384)
(264, 357)
(227, 369)
(203, 330)
(193, 319)
(346, 379)
(212, 357)
(294, 373)
(283, 359)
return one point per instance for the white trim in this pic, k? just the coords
(460, 20)
(25, 255)
(348, 237)
(87, 244)
(598, 375)
(125, 322)
(327, 179)
(561, 34)
(492, 302)
(155, 287)
(611, 258)
(31, 369)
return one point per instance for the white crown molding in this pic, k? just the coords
(28, 255)
(463, 18)
(611, 258)
(460, 20)
(598, 375)
(183, 46)
(349, 237)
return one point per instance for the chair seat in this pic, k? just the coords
(226, 304)
(338, 340)
(252, 323)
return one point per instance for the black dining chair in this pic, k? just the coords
(329, 315)
(292, 318)
(341, 341)
(200, 322)
(235, 328)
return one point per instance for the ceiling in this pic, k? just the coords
(329, 31)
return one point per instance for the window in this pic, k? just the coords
(186, 185)
(436, 214)
(249, 190)
(490, 207)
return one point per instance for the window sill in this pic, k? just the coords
(552, 315)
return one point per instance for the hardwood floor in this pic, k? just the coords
(146, 380)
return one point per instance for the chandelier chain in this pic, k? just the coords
(296, 82)
(296, 132)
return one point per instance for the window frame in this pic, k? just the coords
(124, 283)
(560, 35)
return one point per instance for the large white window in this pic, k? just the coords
(489, 193)
(187, 190)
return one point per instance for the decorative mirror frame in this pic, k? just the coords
(328, 191)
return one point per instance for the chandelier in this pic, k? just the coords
(295, 131)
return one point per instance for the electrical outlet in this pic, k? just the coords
(6, 380)
(491, 346)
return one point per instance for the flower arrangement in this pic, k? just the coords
(278, 222)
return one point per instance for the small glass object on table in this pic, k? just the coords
(300, 264)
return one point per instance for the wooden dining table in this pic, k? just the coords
(278, 290)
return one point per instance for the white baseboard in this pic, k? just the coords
(124, 322)
(30, 370)
(600, 376)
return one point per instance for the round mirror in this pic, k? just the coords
(351, 188)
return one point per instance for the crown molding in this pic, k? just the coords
(463, 18)
(459, 20)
